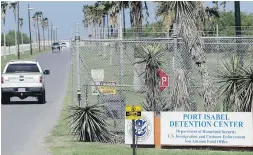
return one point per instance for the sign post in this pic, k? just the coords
(133, 136)
(133, 113)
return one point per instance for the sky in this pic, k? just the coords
(64, 14)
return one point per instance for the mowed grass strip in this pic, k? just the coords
(26, 55)
(61, 142)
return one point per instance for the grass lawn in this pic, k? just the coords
(26, 55)
(61, 142)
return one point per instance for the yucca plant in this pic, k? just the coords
(151, 56)
(236, 86)
(88, 123)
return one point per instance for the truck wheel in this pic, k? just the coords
(5, 99)
(42, 98)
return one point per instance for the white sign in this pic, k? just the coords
(206, 128)
(144, 129)
(97, 75)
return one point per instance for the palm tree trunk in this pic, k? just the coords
(4, 40)
(95, 30)
(43, 29)
(38, 32)
(36, 36)
(138, 80)
(108, 26)
(104, 37)
(48, 36)
(124, 23)
(104, 27)
(92, 30)
(16, 39)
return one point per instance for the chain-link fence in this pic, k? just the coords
(111, 63)
(162, 32)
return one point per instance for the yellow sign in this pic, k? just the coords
(107, 88)
(133, 112)
(133, 108)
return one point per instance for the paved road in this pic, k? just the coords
(26, 123)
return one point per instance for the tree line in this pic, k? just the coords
(97, 15)
(39, 21)
(10, 38)
(225, 22)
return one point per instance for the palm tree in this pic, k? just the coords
(186, 14)
(90, 15)
(236, 86)
(136, 19)
(13, 6)
(4, 6)
(38, 16)
(21, 26)
(86, 15)
(48, 28)
(89, 20)
(107, 8)
(34, 21)
(104, 8)
(136, 15)
(44, 24)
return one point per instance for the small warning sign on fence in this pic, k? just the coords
(107, 88)
(133, 112)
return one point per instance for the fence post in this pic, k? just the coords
(77, 42)
(72, 74)
(72, 66)
(174, 35)
(217, 35)
(121, 49)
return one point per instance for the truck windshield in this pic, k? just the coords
(55, 43)
(17, 68)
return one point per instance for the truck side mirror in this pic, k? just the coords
(46, 72)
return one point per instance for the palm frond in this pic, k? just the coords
(4, 6)
(236, 86)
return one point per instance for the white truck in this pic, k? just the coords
(23, 78)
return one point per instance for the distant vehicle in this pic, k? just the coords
(56, 45)
(63, 45)
(23, 79)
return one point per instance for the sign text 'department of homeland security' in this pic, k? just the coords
(144, 129)
(133, 112)
(206, 128)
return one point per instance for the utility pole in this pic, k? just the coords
(48, 35)
(238, 30)
(78, 81)
(56, 35)
(18, 29)
(51, 32)
(121, 47)
(38, 30)
(30, 33)
(237, 18)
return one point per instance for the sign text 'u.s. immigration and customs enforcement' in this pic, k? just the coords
(206, 128)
